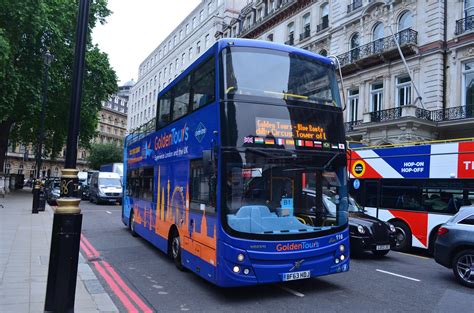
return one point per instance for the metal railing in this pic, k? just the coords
(323, 25)
(349, 126)
(386, 115)
(454, 113)
(355, 4)
(464, 25)
(404, 37)
(290, 41)
(141, 131)
(424, 114)
(305, 34)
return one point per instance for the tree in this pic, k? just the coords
(27, 29)
(104, 153)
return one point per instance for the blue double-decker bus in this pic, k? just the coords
(241, 179)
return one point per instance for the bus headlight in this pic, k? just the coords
(343, 257)
(246, 271)
(361, 229)
(236, 269)
(336, 260)
(392, 228)
(240, 257)
(342, 248)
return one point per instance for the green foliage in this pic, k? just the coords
(27, 29)
(103, 154)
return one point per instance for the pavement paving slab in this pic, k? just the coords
(25, 240)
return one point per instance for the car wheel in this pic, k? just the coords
(403, 234)
(380, 253)
(463, 267)
(176, 251)
(131, 225)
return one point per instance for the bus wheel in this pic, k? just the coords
(403, 233)
(176, 251)
(132, 224)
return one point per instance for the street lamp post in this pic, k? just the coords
(67, 222)
(48, 58)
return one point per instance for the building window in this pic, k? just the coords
(7, 168)
(201, 16)
(306, 25)
(190, 53)
(324, 21)
(405, 21)
(468, 78)
(206, 41)
(377, 37)
(270, 37)
(209, 7)
(194, 22)
(353, 105)
(376, 96)
(259, 14)
(187, 29)
(354, 46)
(403, 90)
(323, 52)
(198, 47)
(291, 33)
(468, 8)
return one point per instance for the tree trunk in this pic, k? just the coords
(5, 128)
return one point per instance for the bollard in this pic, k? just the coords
(65, 244)
(36, 195)
(42, 199)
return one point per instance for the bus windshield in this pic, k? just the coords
(276, 74)
(268, 196)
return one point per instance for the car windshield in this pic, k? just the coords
(265, 196)
(277, 74)
(109, 182)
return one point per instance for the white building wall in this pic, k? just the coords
(166, 61)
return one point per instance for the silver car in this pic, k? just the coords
(454, 247)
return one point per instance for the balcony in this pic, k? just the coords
(464, 25)
(349, 126)
(323, 25)
(305, 34)
(354, 6)
(386, 115)
(379, 51)
(452, 114)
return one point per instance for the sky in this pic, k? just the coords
(135, 29)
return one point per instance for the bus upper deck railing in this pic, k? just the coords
(141, 132)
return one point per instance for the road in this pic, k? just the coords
(397, 283)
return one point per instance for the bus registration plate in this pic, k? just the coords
(382, 247)
(296, 275)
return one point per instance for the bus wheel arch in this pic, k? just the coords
(404, 234)
(131, 224)
(174, 247)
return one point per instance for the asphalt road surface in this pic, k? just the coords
(396, 283)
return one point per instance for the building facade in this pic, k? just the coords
(387, 102)
(183, 45)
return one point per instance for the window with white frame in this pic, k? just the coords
(403, 90)
(376, 96)
(306, 25)
(468, 8)
(468, 83)
(353, 105)
(207, 41)
(198, 47)
(190, 53)
(377, 37)
(291, 32)
(404, 21)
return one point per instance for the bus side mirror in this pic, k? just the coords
(207, 163)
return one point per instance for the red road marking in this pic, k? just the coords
(125, 288)
(123, 298)
(114, 280)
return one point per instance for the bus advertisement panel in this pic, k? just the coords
(221, 183)
(416, 188)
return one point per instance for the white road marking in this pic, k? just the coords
(108, 212)
(398, 275)
(293, 292)
(415, 256)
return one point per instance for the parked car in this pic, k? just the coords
(105, 187)
(52, 190)
(454, 246)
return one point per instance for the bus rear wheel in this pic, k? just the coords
(403, 234)
(176, 251)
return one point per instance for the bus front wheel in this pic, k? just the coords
(176, 251)
(403, 234)
(131, 224)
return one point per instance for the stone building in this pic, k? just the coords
(383, 104)
(182, 46)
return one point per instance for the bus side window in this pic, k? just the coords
(181, 98)
(146, 190)
(199, 186)
(164, 112)
(203, 83)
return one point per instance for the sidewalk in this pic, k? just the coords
(25, 240)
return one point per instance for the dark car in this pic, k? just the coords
(368, 233)
(454, 246)
(52, 190)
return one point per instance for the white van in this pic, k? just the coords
(105, 187)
